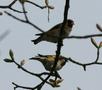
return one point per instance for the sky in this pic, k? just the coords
(85, 14)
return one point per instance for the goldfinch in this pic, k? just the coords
(52, 35)
(48, 61)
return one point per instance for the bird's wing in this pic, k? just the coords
(54, 31)
(39, 34)
(47, 57)
(51, 58)
(51, 30)
(56, 27)
(42, 55)
(38, 58)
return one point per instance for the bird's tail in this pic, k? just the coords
(36, 41)
(34, 58)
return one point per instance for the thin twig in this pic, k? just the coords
(87, 64)
(84, 37)
(31, 73)
(24, 21)
(25, 14)
(42, 7)
(13, 2)
(19, 86)
(10, 7)
(58, 46)
(98, 52)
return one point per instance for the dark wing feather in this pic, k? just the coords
(39, 34)
(56, 27)
(42, 55)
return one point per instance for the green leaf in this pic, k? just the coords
(8, 60)
(11, 54)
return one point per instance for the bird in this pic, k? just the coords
(52, 34)
(49, 60)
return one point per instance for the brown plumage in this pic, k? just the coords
(53, 34)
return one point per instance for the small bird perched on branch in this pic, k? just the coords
(49, 60)
(52, 35)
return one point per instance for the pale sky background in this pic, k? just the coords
(85, 13)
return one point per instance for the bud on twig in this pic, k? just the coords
(100, 45)
(94, 42)
(99, 27)
(11, 54)
(22, 62)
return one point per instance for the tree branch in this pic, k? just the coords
(59, 45)
(41, 7)
(87, 64)
(24, 21)
(10, 7)
(84, 37)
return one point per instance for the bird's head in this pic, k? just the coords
(70, 23)
(63, 60)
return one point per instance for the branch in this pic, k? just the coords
(41, 7)
(59, 45)
(84, 37)
(20, 66)
(87, 64)
(25, 87)
(10, 7)
(24, 21)
(13, 2)
(31, 73)
(19, 86)
(25, 14)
